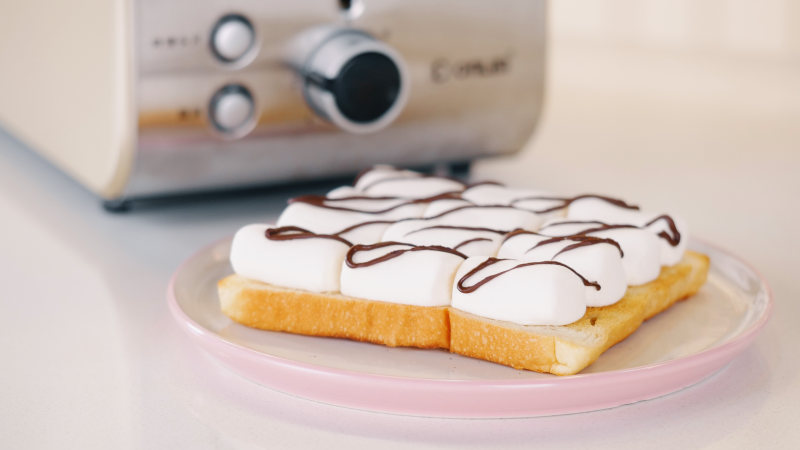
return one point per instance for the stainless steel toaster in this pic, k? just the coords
(139, 98)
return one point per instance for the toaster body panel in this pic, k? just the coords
(67, 86)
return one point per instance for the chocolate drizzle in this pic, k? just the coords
(392, 254)
(484, 183)
(520, 231)
(614, 201)
(599, 226)
(322, 201)
(364, 224)
(455, 227)
(674, 236)
(460, 208)
(469, 241)
(461, 285)
(580, 241)
(290, 233)
(566, 201)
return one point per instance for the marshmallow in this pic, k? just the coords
(642, 249)
(387, 181)
(333, 215)
(467, 240)
(541, 294)
(415, 276)
(313, 264)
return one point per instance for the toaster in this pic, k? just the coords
(146, 98)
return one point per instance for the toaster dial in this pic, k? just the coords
(232, 38)
(231, 110)
(355, 81)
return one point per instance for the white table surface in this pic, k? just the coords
(91, 358)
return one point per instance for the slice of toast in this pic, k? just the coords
(562, 350)
(568, 349)
(269, 307)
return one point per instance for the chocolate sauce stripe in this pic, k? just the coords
(321, 201)
(364, 224)
(614, 201)
(460, 208)
(392, 254)
(519, 231)
(456, 227)
(290, 233)
(469, 241)
(581, 241)
(673, 239)
(490, 261)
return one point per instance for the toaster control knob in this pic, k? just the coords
(232, 37)
(352, 79)
(231, 109)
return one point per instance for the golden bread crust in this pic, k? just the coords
(269, 307)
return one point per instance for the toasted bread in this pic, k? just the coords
(568, 349)
(270, 307)
(561, 350)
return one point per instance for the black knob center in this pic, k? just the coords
(367, 86)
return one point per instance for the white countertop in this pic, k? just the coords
(92, 359)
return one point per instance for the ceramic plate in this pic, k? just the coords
(677, 348)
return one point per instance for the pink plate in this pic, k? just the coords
(677, 348)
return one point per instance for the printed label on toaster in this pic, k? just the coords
(443, 69)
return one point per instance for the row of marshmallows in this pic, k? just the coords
(508, 254)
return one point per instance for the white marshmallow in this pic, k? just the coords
(670, 254)
(642, 249)
(366, 232)
(413, 187)
(388, 181)
(380, 172)
(495, 217)
(483, 242)
(592, 208)
(543, 294)
(312, 264)
(497, 194)
(518, 245)
(438, 207)
(343, 191)
(326, 220)
(422, 277)
(598, 262)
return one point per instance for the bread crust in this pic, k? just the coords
(270, 307)
(561, 350)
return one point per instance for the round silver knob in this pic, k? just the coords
(351, 79)
(232, 37)
(231, 109)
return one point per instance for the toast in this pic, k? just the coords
(269, 307)
(568, 349)
(561, 350)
